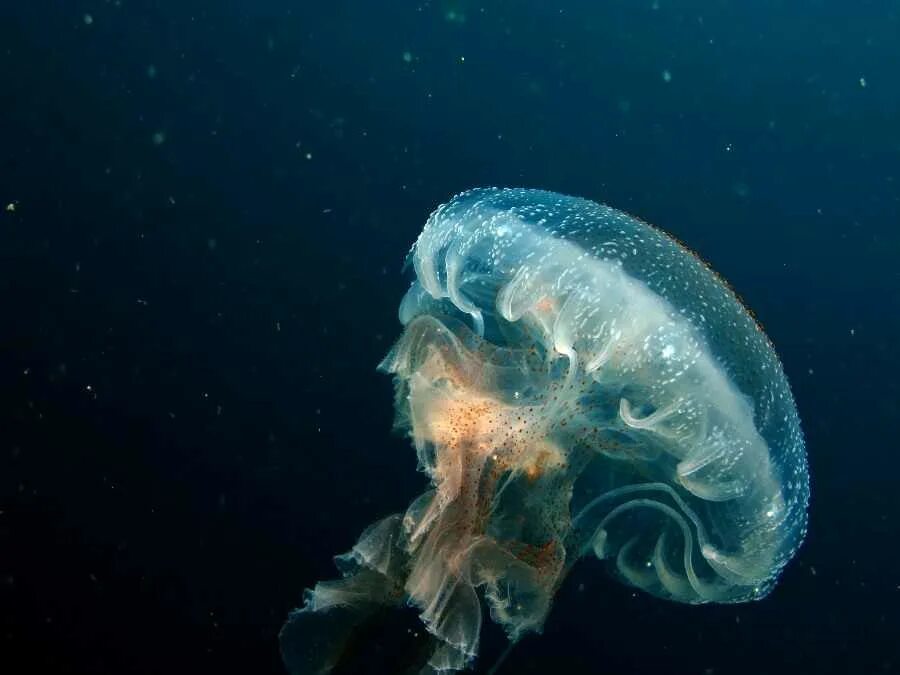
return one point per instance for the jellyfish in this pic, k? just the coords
(576, 385)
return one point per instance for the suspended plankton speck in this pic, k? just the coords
(88, 19)
(740, 188)
(666, 76)
(158, 138)
(454, 16)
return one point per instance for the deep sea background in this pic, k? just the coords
(210, 204)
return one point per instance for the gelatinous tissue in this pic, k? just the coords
(576, 384)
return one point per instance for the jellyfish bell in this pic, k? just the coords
(576, 384)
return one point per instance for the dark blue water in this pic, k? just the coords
(209, 207)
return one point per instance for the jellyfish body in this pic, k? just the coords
(575, 384)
